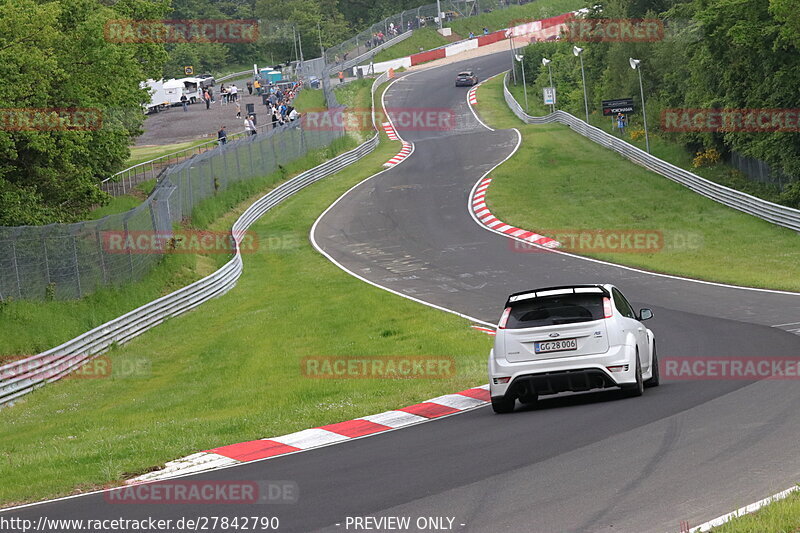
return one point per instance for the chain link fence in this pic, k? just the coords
(757, 170)
(66, 261)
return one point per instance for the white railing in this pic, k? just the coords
(25, 375)
(775, 213)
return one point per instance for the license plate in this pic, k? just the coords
(561, 345)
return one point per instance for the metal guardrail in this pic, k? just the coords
(780, 215)
(234, 75)
(350, 63)
(26, 375)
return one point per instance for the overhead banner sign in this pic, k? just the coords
(621, 105)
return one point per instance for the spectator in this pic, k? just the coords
(223, 92)
(222, 136)
(211, 94)
(274, 117)
(249, 87)
(184, 102)
(234, 93)
(207, 98)
(471, 35)
(249, 125)
(486, 31)
(293, 114)
(257, 86)
(341, 77)
(238, 110)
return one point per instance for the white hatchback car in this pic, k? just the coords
(572, 338)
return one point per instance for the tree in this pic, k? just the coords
(54, 56)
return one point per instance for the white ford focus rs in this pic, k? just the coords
(571, 338)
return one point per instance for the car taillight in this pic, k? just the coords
(504, 318)
(607, 309)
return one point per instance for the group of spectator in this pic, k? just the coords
(278, 103)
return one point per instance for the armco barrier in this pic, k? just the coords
(25, 375)
(774, 213)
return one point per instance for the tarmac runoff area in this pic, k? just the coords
(175, 126)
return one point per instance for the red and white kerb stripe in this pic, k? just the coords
(389, 129)
(253, 450)
(400, 157)
(482, 213)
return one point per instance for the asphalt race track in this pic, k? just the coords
(688, 450)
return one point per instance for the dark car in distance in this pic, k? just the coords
(466, 78)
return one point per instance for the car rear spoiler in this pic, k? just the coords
(553, 291)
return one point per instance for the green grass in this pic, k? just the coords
(126, 202)
(779, 517)
(231, 371)
(502, 18)
(31, 327)
(425, 38)
(561, 181)
(357, 96)
(661, 146)
(140, 154)
(309, 100)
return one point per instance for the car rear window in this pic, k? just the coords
(554, 310)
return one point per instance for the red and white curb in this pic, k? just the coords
(488, 220)
(488, 331)
(308, 439)
(390, 132)
(472, 95)
(401, 156)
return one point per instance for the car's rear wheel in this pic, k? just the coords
(635, 389)
(655, 379)
(502, 405)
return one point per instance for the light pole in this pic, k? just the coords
(635, 66)
(521, 59)
(578, 52)
(547, 62)
(510, 36)
(439, 13)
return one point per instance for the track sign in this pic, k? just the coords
(621, 105)
(188, 70)
(549, 96)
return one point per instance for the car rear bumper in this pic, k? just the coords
(566, 374)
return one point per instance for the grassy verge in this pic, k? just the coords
(232, 371)
(424, 38)
(427, 38)
(140, 154)
(126, 202)
(661, 147)
(502, 18)
(34, 326)
(560, 183)
(779, 517)
(310, 99)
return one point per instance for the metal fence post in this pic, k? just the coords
(101, 253)
(16, 268)
(77, 269)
